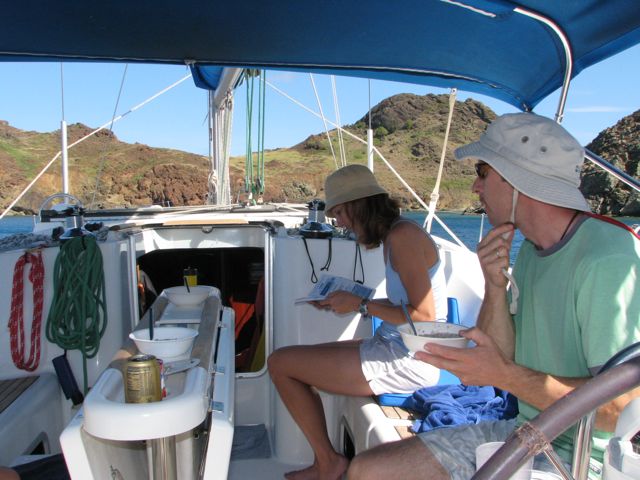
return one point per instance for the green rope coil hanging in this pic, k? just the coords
(78, 316)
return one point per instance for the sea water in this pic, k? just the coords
(15, 224)
(469, 229)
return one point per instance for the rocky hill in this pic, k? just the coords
(408, 130)
(103, 172)
(620, 145)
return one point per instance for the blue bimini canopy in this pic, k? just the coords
(498, 48)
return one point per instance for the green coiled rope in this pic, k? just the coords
(78, 316)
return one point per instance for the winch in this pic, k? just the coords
(315, 227)
(622, 458)
(72, 214)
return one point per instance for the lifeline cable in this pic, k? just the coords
(78, 316)
(16, 320)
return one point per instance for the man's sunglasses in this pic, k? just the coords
(482, 169)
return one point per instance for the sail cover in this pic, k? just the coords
(481, 46)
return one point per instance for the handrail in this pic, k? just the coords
(566, 46)
(632, 182)
(568, 55)
(535, 436)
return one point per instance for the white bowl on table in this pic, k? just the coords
(432, 332)
(168, 342)
(180, 297)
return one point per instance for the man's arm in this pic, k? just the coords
(494, 318)
(486, 364)
(541, 391)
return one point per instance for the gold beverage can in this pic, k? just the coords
(142, 379)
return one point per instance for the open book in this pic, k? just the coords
(329, 283)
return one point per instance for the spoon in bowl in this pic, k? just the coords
(186, 284)
(408, 317)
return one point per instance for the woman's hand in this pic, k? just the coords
(340, 302)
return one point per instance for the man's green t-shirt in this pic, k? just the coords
(579, 305)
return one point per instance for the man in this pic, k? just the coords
(577, 304)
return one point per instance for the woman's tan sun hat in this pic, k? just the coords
(350, 183)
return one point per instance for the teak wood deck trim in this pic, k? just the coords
(12, 389)
(405, 419)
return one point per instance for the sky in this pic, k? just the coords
(32, 96)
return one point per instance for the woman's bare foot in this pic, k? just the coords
(309, 473)
(332, 471)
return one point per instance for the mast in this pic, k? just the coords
(63, 138)
(65, 157)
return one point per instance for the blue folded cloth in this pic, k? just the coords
(453, 405)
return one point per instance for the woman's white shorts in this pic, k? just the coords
(390, 369)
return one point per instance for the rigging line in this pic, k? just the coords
(324, 120)
(118, 118)
(28, 187)
(104, 147)
(301, 105)
(375, 149)
(419, 200)
(336, 108)
(304, 107)
(436, 189)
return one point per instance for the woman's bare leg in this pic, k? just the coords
(332, 367)
(8, 474)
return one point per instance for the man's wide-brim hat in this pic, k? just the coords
(350, 183)
(536, 155)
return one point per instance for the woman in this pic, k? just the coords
(380, 364)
